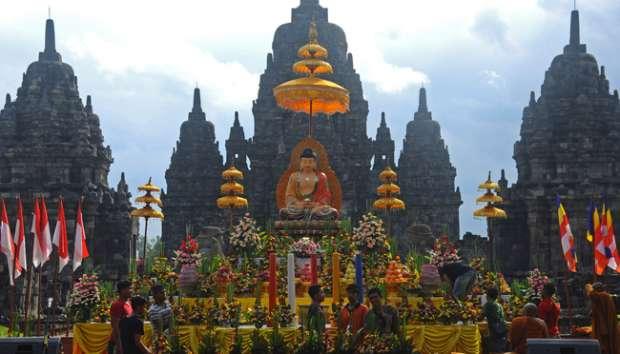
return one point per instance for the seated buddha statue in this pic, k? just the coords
(307, 192)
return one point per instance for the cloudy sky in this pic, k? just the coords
(140, 61)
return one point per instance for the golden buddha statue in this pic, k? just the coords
(307, 192)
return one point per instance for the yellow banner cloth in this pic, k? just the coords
(92, 338)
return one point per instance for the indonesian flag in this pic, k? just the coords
(60, 237)
(567, 238)
(42, 247)
(20, 237)
(8, 247)
(80, 251)
(606, 249)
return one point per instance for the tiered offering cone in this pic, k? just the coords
(491, 199)
(394, 275)
(147, 211)
(232, 192)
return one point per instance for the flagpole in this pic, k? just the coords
(39, 295)
(568, 300)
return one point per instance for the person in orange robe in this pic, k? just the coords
(526, 326)
(604, 321)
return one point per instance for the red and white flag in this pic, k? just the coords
(20, 237)
(42, 245)
(60, 237)
(8, 247)
(606, 252)
(80, 251)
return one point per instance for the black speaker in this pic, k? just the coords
(30, 345)
(563, 346)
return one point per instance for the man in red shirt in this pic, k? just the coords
(121, 308)
(549, 310)
(352, 315)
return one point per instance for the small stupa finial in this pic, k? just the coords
(89, 104)
(422, 106)
(236, 122)
(8, 100)
(574, 28)
(197, 107)
(532, 98)
(383, 123)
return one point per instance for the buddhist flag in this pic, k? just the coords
(606, 246)
(600, 253)
(20, 236)
(8, 247)
(567, 239)
(80, 251)
(60, 237)
(42, 245)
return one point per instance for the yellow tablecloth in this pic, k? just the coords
(92, 338)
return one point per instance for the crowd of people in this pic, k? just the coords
(536, 321)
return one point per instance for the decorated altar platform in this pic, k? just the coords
(93, 337)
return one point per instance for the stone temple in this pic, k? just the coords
(424, 165)
(568, 148)
(51, 145)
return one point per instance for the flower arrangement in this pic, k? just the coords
(224, 275)
(257, 315)
(188, 254)
(449, 311)
(304, 247)
(369, 236)
(230, 313)
(84, 298)
(536, 281)
(426, 313)
(470, 312)
(443, 252)
(214, 314)
(375, 343)
(245, 236)
(283, 315)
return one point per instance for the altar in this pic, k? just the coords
(93, 337)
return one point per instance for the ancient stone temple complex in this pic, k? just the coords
(51, 145)
(568, 148)
(357, 159)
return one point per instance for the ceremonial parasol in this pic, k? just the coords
(490, 211)
(147, 211)
(311, 94)
(387, 193)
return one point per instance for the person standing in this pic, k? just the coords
(316, 316)
(494, 313)
(460, 276)
(160, 312)
(549, 310)
(352, 315)
(132, 328)
(604, 321)
(121, 308)
(526, 326)
(382, 318)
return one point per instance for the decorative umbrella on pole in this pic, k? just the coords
(232, 192)
(387, 192)
(147, 211)
(490, 211)
(310, 94)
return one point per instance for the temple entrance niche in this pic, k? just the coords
(308, 194)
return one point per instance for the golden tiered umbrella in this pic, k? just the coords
(147, 211)
(490, 210)
(232, 192)
(311, 94)
(387, 193)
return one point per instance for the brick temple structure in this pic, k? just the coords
(51, 145)
(568, 148)
(424, 165)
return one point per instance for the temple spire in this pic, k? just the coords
(532, 99)
(422, 107)
(236, 122)
(383, 123)
(574, 28)
(49, 52)
(89, 104)
(197, 108)
(8, 100)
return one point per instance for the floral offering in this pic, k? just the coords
(304, 247)
(369, 236)
(536, 281)
(426, 312)
(245, 237)
(443, 252)
(85, 298)
(188, 253)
